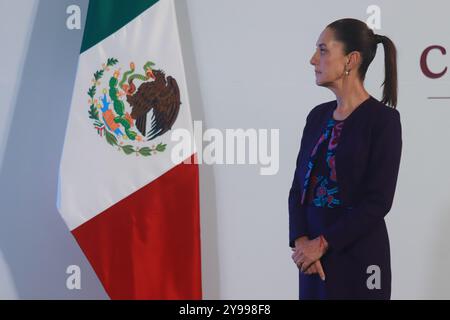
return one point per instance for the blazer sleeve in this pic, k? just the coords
(378, 185)
(297, 214)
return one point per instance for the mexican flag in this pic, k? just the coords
(132, 207)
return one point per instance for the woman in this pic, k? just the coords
(346, 172)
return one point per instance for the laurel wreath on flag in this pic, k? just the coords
(100, 126)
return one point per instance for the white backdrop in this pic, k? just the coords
(247, 67)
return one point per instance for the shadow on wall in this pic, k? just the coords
(35, 243)
(208, 209)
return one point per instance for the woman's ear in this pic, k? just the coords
(353, 60)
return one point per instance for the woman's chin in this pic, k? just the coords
(318, 79)
(322, 83)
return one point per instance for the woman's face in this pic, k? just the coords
(328, 60)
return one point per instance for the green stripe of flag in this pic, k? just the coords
(105, 17)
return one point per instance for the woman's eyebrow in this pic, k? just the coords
(321, 45)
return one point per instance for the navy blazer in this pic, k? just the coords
(367, 162)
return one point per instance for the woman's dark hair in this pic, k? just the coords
(357, 36)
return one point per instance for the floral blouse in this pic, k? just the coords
(321, 183)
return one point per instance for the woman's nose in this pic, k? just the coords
(313, 59)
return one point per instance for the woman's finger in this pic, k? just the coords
(295, 257)
(299, 262)
(311, 270)
(320, 270)
(306, 264)
(301, 258)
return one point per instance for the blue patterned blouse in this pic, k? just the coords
(323, 190)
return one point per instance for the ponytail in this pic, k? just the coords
(390, 71)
